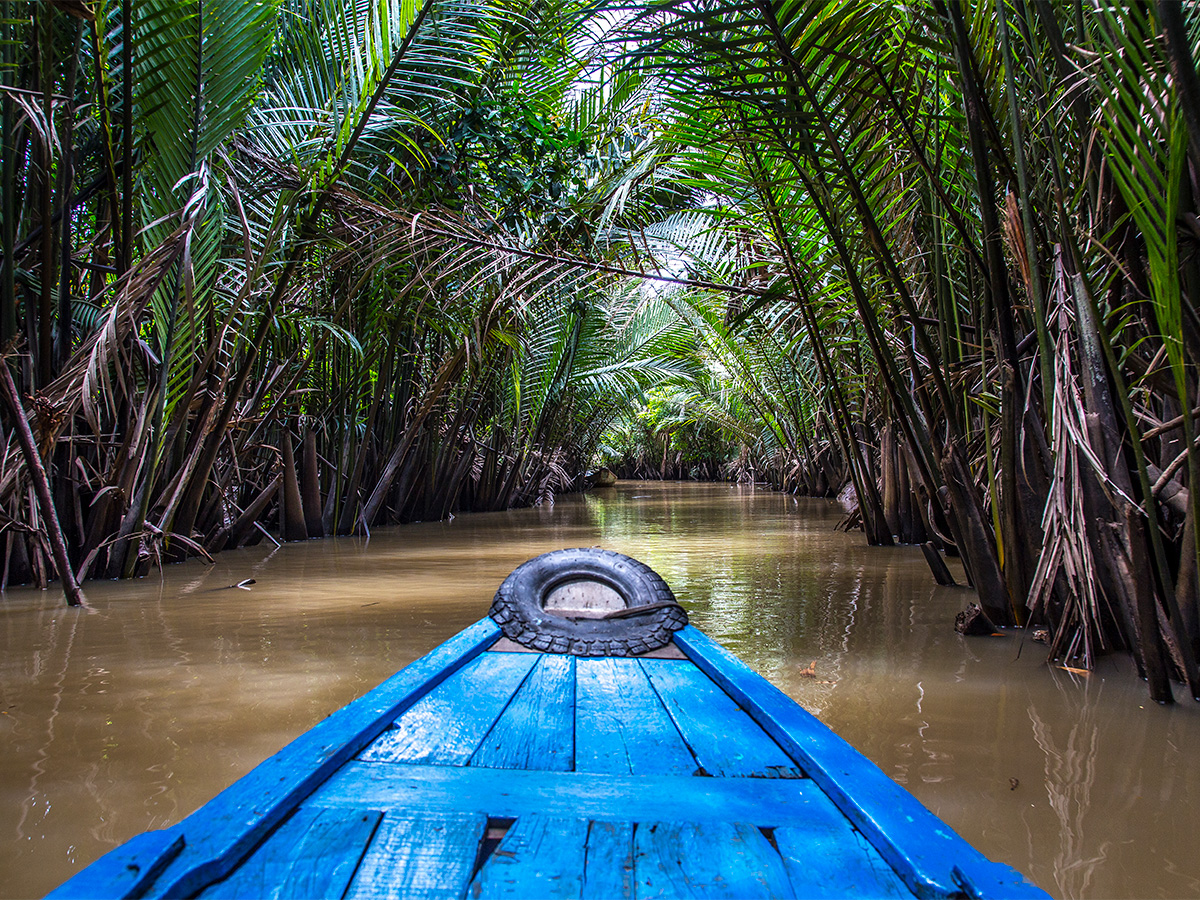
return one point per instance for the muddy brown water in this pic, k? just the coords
(129, 717)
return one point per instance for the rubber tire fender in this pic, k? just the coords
(518, 607)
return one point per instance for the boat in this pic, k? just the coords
(604, 477)
(582, 740)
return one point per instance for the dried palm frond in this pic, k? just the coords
(99, 370)
(1066, 552)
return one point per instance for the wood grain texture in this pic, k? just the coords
(828, 858)
(723, 738)
(708, 860)
(540, 856)
(920, 847)
(608, 866)
(514, 793)
(313, 854)
(537, 729)
(419, 858)
(223, 831)
(620, 724)
(125, 871)
(840, 832)
(447, 725)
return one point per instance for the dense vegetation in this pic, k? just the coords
(312, 266)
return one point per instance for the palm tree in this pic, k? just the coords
(321, 265)
(886, 156)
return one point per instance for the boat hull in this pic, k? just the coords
(486, 770)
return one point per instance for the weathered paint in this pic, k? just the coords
(446, 726)
(725, 740)
(223, 831)
(314, 853)
(923, 850)
(540, 856)
(493, 774)
(537, 729)
(707, 860)
(620, 725)
(513, 793)
(421, 857)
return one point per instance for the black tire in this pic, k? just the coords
(519, 610)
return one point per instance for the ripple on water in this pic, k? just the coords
(130, 717)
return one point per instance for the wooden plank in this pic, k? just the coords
(540, 856)
(447, 725)
(313, 854)
(621, 725)
(920, 847)
(828, 858)
(608, 868)
(223, 831)
(513, 793)
(724, 740)
(709, 859)
(419, 858)
(126, 870)
(537, 729)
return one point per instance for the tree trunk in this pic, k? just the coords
(41, 487)
(937, 565)
(978, 547)
(240, 530)
(291, 514)
(310, 486)
(889, 481)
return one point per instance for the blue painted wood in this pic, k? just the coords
(828, 858)
(722, 737)
(706, 860)
(419, 858)
(221, 833)
(126, 870)
(447, 725)
(313, 854)
(608, 868)
(537, 729)
(620, 724)
(922, 848)
(427, 843)
(540, 856)
(514, 793)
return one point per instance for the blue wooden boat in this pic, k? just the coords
(583, 741)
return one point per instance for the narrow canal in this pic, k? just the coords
(127, 718)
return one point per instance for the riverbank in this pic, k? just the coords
(127, 718)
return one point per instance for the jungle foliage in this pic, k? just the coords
(312, 266)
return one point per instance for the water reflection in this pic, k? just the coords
(129, 718)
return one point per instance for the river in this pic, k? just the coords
(128, 717)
